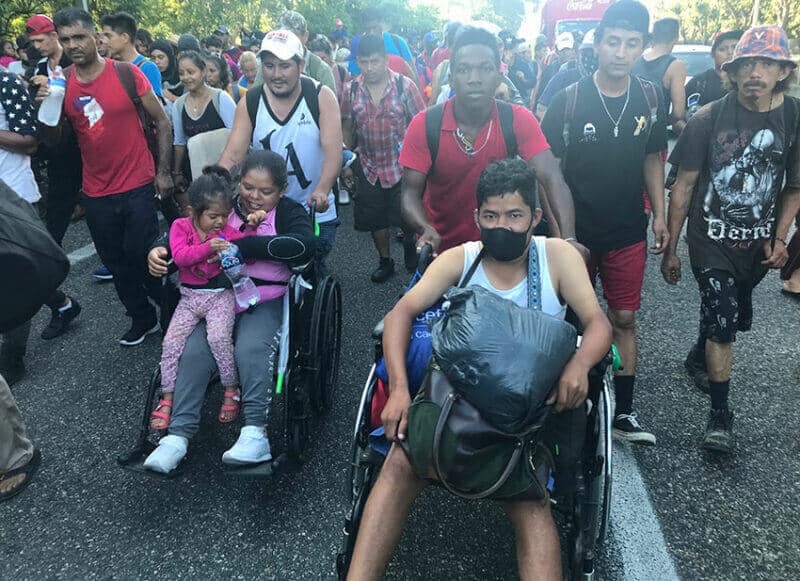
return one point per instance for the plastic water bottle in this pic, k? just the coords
(50, 109)
(244, 288)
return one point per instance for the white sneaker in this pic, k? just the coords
(252, 447)
(166, 457)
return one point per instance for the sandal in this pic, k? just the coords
(163, 416)
(229, 408)
(27, 470)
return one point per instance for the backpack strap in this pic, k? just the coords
(215, 96)
(252, 99)
(506, 114)
(125, 75)
(353, 93)
(433, 129)
(651, 96)
(310, 89)
(473, 267)
(570, 103)
(180, 104)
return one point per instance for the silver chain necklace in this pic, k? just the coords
(603, 101)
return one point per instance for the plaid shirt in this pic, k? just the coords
(380, 129)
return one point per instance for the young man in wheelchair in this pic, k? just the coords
(507, 213)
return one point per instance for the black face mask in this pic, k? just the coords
(503, 244)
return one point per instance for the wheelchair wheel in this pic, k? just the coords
(364, 478)
(326, 340)
(593, 503)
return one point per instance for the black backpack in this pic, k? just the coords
(33, 264)
(433, 129)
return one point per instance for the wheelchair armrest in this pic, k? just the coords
(377, 332)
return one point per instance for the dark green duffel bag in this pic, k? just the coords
(450, 443)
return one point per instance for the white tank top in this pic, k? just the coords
(519, 294)
(297, 140)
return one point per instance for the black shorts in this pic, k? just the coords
(726, 305)
(376, 208)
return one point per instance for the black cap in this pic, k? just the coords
(726, 35)
(628, 15)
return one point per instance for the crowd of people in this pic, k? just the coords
(414, 133)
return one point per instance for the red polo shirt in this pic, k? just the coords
(450, 191)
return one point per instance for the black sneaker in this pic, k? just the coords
(60, 320)
(695, 365)
(719, 432)
(410, 256)
(384, 271)
(139, 331)
(627, 428)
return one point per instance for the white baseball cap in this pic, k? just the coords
(283, 44)
(565, 40)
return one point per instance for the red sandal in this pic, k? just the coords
(229, 407)
(159, 415)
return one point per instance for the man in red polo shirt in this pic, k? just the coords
(470, 138)
(119, 175)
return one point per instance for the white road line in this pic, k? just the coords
(634, 525)
(81, 253)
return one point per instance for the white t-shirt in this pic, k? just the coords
(16, 116)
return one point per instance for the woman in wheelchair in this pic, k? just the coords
(507, 213)
(284, 238)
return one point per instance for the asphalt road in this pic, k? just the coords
(85, 518)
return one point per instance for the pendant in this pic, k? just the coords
(616, 130)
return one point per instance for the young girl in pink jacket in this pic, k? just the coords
(205, 292)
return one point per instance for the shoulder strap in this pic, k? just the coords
(651, 96)
(215, 96)
(534, 278)
(310, 91)
(473, 267)
(433, 129)
(353, 92)
(570, 103)
(791, 118)
(252, 98)
(506, 114)
(125, 75)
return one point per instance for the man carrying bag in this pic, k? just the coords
(507, 212)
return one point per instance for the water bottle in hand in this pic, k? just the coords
(50, 109)
(244, 288)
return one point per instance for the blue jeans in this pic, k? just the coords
(325, 241)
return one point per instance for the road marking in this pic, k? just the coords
(634, 524)
(81, 253)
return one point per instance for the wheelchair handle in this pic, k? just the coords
(312, 211)
(425, 258)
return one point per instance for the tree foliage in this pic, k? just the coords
(701, 19)
(200, 17)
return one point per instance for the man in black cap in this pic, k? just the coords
(233, 51)
(707, 86)
(609, 129)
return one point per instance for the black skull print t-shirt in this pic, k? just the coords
(742, 162)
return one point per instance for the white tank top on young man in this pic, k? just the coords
(519, 294)
(297, 140)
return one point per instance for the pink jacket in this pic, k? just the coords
(191, 254)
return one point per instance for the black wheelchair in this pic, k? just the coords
(581, 508)
(305, 373)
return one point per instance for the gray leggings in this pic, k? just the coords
(255, 344)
